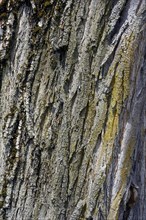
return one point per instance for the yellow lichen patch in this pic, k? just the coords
(115, 108)
(127, 53)
(119, 94)
(113, 119)
(3, 15)
(99, 120)
(47, 3)
(115, 205)
(119, 77)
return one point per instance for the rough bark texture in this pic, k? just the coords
(73, 92)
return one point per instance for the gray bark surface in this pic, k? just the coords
(72, 115)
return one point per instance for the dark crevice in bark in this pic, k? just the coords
(96, 204)
(69, 79)
(62, 55)
(14, 182)
(66, 86)
(73, 99)
(19, 190)
(3, 6)
(12, 138)
(83, 166)
(122, 18)
(101, 215)
(83, 19)
(105, 67)
(83, 114)
(36, 165)
(53, 104)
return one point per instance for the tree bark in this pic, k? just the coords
(73, 92)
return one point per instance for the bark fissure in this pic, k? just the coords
(72, 114)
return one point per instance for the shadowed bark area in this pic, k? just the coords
(72, 116)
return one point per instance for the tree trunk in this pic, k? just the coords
(73, 92)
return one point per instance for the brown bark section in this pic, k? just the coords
(73, 85)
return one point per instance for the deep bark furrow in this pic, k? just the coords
(72, 109)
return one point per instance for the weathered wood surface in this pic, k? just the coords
(73, 93)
